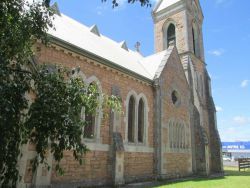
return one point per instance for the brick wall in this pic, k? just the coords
(138, 166)
(108, 78)
(177, 162)
(97, 167)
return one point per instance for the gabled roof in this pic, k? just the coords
(153, 62)
(162, 4)
(78, 35)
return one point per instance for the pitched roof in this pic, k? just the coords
(152, 62)
(162, 4)
(83, 37)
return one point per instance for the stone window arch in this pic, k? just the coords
(131, 119)
(169, 32)
(182, 136)
(195, 36)
(141, 120)
(92, 133)
(90, 120)
(136, 118)
(142, 128)
(177, 135)
(91, 130)
(79, 74)
(170, 135)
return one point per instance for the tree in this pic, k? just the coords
(143, 2)
(20, 23)
(52, 122)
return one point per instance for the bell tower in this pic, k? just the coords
(180, 21)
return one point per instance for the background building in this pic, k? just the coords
(236, 150)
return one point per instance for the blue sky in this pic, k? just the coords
(226, 33)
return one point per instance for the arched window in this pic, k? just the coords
(131, 119)
(182, 136)
(171, 133)
(195, 42)
(89, 128)
(177, 135)
(141, 121)
(169, 35)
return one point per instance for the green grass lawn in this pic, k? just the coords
(233, 179)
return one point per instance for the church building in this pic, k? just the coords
(168, 126)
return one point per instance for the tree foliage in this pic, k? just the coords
(54, 119)
(52, 122)
(142, 2)
(18, 28)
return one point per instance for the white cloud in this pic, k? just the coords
(219, 109)
(121, 2)
(107, 6)
(244, 83)
(233, 134)
(101, 9)
(241, 120)
(220, 2)
(217, 52)
(154, 1)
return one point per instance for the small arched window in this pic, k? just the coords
(141, 121)
(89, 128)
(195, 42)
(131, 119)
(169, 35)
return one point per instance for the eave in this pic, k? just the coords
(73, 48)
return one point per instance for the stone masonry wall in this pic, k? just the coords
(179, 21)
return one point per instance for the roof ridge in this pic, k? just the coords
(79, 35)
